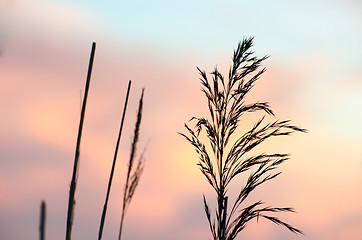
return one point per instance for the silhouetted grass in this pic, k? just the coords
(133, 175)
(73, 183)
(226, 104)
(42, 221)
(113, 165)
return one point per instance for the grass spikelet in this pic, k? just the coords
(133, 175)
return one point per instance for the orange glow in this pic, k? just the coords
(312, 79)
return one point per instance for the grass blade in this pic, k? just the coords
(113, 165)
(42, 220)
(73, 183)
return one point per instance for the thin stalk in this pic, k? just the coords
(73, 183)
(221, 198)
(132, 181)
(113, 165)
(42, 220)
(121, 225)
(224, 217)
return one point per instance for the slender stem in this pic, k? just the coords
(42, 220)
(127, 195)
(225, 208)
(121, 225)
(73, 183)
(113, 165)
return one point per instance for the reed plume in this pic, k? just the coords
(227, 158)
(133, 175)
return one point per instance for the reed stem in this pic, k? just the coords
(113, 165)
(42, 220)
(73, 183)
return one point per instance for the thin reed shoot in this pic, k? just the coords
(73, 184)
(42, 220)
(113, 164)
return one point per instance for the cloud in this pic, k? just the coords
(42, 76)
(42, 72)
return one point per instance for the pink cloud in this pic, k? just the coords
(41, 75)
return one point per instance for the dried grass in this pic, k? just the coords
(133, 174)
(227, 105)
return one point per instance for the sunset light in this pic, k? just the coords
(313, 77)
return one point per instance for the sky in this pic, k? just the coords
(313, 77)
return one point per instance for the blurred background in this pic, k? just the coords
(314, 77)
